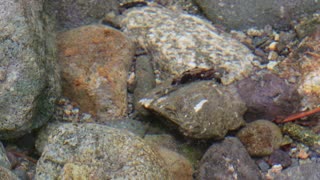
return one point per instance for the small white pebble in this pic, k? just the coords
(272, 64)
(276, 37)
(273, 46)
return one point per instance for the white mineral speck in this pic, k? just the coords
(199, 105)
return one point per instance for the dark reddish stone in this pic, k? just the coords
(267, 97)
(280, 157)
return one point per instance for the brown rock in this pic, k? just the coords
(178, 166)
(260, 137)
(95, 61)
(267, 96)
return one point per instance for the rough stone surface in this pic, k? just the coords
(145, 80)
(244, 14)
(200, 109)
(179, 42)
(96, 151)
(71, 13)
(7, 174)
(228, 160)
(29, 80)
(307, 25)
(136, 127)
(303, 67)
(306, 171)
(260, 137)
(179, 166)
(280, 157)
(95, 61)
(267, 96)
(4, 161)
(164, 140)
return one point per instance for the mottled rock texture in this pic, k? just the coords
(96, 151)
(95, 61)
(304, 171)
(4, 161)
(228, 160)
(7, 174)
(29, 80)
(260, 137)
(243, 14)
(304, 66)
(200, 109)
(179, 166)
(75, 13)
(179, 42)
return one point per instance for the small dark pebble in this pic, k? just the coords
(280, 157)
(259, 52)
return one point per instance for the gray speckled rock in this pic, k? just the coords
(74, 13)
(244, 14)
(98, 152)
(260, 137)
(7, 174)
(4, 161)
(28, 73)
(201, 109)
(180, 42)
(310, 171)
(228, 160)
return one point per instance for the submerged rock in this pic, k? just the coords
(95, 61)
(305, 171)
(4, 161)
(303, 67)
(7, 174)
(302, 134)
(244, 14)
(268, 96)
(72, 14)
(179, 166)
(201, 110)
(179, 42)
(228, 160)
(29, 81)
(98, 152)
(279, 157)
(260, 137)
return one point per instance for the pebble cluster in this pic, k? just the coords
(69, 111)
(271, 46)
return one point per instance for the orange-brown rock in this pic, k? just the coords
(95, 61)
